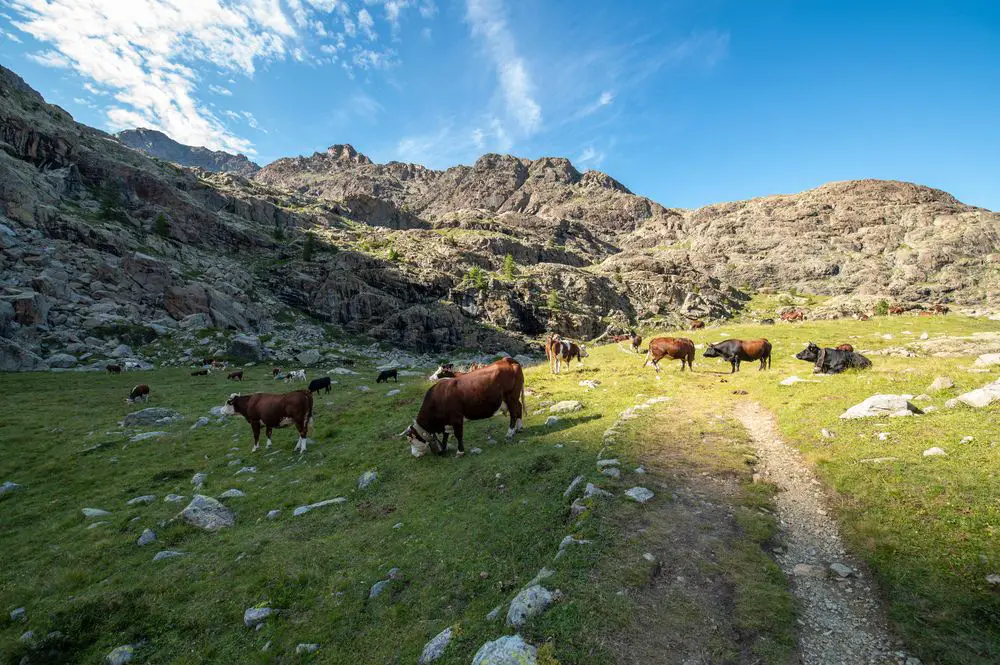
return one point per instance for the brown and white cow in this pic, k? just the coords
(473, 396)
(562, 351)
(896, 309)
(670, 347)
(274, 410)
(141, 391)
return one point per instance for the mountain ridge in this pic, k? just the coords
(158, 144)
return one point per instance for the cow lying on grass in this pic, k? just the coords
(473, 396)
(832, 361)
(736, 351)
(273, 410)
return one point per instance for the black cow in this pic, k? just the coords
(767, 322)
(386, 374)
(319, 384)
(832, 361)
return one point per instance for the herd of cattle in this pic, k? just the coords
(484, 390)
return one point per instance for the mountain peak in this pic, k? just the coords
(155, 143)
(345, 152)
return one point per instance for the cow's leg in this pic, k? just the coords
(255, 426)
(458, 428)
(395, 379)
(303, 428)
(735, 365)
(656, 366)
(763, 364)
(444, 443)
(649, 354)
(513, 403)
(267, 433)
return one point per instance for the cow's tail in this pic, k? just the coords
(649, 354)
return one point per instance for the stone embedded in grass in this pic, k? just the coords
(144, 500)
(883, 436)
(19, 614)
(570, 540)
(530, 602)
(924, 336)
(476, 451)
(199, 479)
(173, 498)
(302, 510)
(881, 405)
(508, 650)
(306, 648)
(254, 616)
(146, 538)
(149, 416)
(966, 439)
(987, 360)
(435, 648)
(167, 554)
(935, 452)
(363, 389)
(206, 513)
(841, 569)
(120, 655)
(640, 494)
(993, 579)
(393, 393)
(246, 469)
(94, 525)
(273, 514)
(639, 469)
(590, 384)
(543, 574)
(572, 486)
(367, 478)
(566, 406)
(378, 588)
(9, 487)
(827, 434)
(792, 380)
(144, 436)
(494, 613)
(201, 422)
(979, 397)
(612, 472)
(551, 420)
(592, 490)
(94, 512)
(27, 636)
(602, 463)
(232, 494)
(940, 383)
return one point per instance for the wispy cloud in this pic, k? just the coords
(489, 23)
(12, 37)
(365, 104)
(367, 24)
(219, 90)
(50, 59)
(590, 156)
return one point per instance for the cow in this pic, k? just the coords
(141, 391)
(445, 371)
(896, 309)
(274, 410)
(670, 347)
(925, 312)
(863, 317)
(832, 361)
(386, 374)
(472, 396)
(235, 376)
(113, 369)
(319, 384)
(275, 372)
(636, 341)
(296, 375)
(200, 372)
(563, 351)
(697, 325)
(767, 322)
(621, 338)
(736, 351)
(793, 315)
(845, 347)
(940, 308)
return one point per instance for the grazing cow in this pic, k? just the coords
(736, 351)
(845, 347)
(767, 322)
(200, 372)
(896, 309)
(273, 410)
(863, 317)
(386, 374)
(141, 391)
(621, 338)
(636, 341)
(670, 347)
(113, 369)
(319, 384)
(473, 396)
(275, 372)
(941, 309)
(793, 315)
(697, 325)
(235, 376)
(563, 351)
(832, 361)
(296, 375)
(925, 312)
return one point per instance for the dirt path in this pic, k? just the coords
(842, 621)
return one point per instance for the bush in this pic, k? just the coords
(393, 254)
(477, 277)
(552, 302)
(509, 268)
(161, 227)
(882, 308)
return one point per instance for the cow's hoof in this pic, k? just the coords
(460, 453)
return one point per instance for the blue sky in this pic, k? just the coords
(687, 102)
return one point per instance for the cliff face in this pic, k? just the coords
(159, 145)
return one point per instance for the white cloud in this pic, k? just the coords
(478, 138)
(426, 34)
(370, 59)
(12, 37)
(93, 89)
(428, 9)
(606, 99)
(50, 59)
(489, 23)
(590, 156)
(219, 90)
(367, 24)
(233, 115)
(366, 105)
(252, 121)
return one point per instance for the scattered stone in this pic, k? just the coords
(572, 486)
(640, 494)
(935, 452)
(173, 498)
(592, 490)
(807, 570)
(397, 525)
(366, 479)
(883, 436)
(199, 479)
(308, 357)
(254, 616)
(551, 420)
(494, 613)
(167, 554)
(393, 392)
(146, 538)
(827, 434)
(435, 648)
(145, 500)
(306, 648)
(566, 542)
(378, 588)
(877, 460)
(508, 650)
(940, 383)
(792, 380)
(27, 636)
(841, 569)
(881, 405)
(246, 469)
(302, 510)
(987, 360)
(149, 416)
(979, 397)
(993, 579)
(206, 513)
(120, 655)
(94, 525)
(476, 451)
(601, 463)
(19, 614)
(363, 389)
(566, 406)
(201, 422)
(530, 602)
(966, 439)
(924, 336)
(9, 487)
(146, 435)
(590, 384)
(231, 494)
(612, 472)
(273, 514)
(639, 469)
(543, 574)
(94, 512)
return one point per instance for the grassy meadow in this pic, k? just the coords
(468, 533)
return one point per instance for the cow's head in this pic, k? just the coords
(712, 352)
(809, 354)
(421, 443)
(230, 408)
(443, 372)
(583, 351)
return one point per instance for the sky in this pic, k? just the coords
(688, 102)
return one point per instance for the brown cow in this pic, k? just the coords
(235, 376)
(736, 351)
(863, 317)
(941, 308)
(896, 309)
(697, 325)
(113, 369)
(563, 351)
(793, 315)
(273, 410)
(473, 396)
(275, 372)
(845, 347)
(636, 342)
(925, 312)
(141, 391)
(670, 347)
(200, 372)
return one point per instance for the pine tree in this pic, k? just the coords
(553, 300)
(509, 268)
(160, 226)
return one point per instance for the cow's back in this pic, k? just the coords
(672, 347)
(474, 395)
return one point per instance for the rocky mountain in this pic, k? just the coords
(102, 244)
(159, 145)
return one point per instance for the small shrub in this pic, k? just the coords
(477, 277)
(509, 269)
(161, 227)
(393, 254)
(882, 308)
(278, 233)
(110, 199)
(552, 302)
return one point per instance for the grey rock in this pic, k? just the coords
(393, 392)
(302, 510)
(935, 452)
(273, 514)
(231, 494)
(530, 602)
(199, 479)
(19, 614)
(981, 397)
(612, 472)
(435, 648)
(94, 512)
(366, 479)
(149, 416)
(247, 348)
(566, 406)
(206, 513)
(122, 351)
(16, 358)
(145, 500)
(602, 463)
(61, 360)
(145, 436)
(9, 487)
(494, 613)
(507, 650)
(592, 490)
(640, 494)
(572, 486)
(841, 569)
(167, 554)
(173, 498)
(201, 422)
(27, 636)
(254, 616)
(551, 420)
(570, 540)
(378, 588)
(120, 655)
(940, 383)
(308, 357)
(881, 405)
(146, 538)
(306, 648)
(987, 360)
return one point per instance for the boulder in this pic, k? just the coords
(253, 616)
(940, 383)
(16, 358)
(435, 648)
(988, 360)
(935, 452)
(367, 478)
(530, 602)
(308, 357)
(206, 513)
(122, 351)
(146, 538)
(979, 397)
(640, 494)
(566, 406)
(881, 405)
(232, 494)
(30, 307)
(247, 348)
(9, 487)
(149, 416)
(120, 655)
(508, 650)
(61, 361)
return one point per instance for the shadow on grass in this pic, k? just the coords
(564, 423)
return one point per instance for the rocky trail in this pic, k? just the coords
(842, 621)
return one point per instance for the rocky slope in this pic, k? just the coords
(159, 145)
